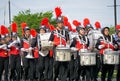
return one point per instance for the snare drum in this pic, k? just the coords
(87, 59)
(44, 38)
(111, 57)
(63, 54)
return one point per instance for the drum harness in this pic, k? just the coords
(60, 35)
(108, 42)
(82, 41)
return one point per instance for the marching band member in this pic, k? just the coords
(28, 57)
(4, 58)
(80, 43)
(15, 59)
(102, 44)
(60, 68)
(68, 28)
(51, 60)
(74, 63)
(93, 39)
(43, 63)
(97, 67)
(118, 42)
(88, 29)
(35, 51)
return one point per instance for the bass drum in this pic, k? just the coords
(63, 54)
(87, 59)
(93, 36)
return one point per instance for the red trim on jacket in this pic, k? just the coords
(57, 40)
(14, 50)
(3, 53)
(101, 51)
(79, 45)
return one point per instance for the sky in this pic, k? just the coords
(95, 10)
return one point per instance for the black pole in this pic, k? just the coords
(115, 12)
(9, 12)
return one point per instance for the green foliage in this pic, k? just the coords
(112, 30)
(32, 19)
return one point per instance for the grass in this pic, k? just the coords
(114, 74)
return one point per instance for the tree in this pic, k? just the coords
(112, 30)
(32, 19)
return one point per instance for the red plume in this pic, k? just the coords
(52, 28)
(86, 21)
(6, 30)
(69, 25)
(3, 30)
(73, 30)
(14, 27)
(117, 27)
(0, 30)
(23, 25)
(45, 21)
(33, 32)
(65, 19)
(76, 23)
(97, 25)
(58, 11)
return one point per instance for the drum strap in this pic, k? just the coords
(81, 41)
(60, 34)
(111, 39)
(38, 42)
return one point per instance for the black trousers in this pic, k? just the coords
(107, 69)
(29, 68)
(118, 73)
(86, 72)
(44, 68)
(74, 68)
(4, 63)
(97, 67)
(49, 69)
(60, 70)
(15, 67)
(35, 71)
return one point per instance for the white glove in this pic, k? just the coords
(13, 43)
(5, 48)
(30, 49)
(101, 46)
(22, 49)
(67, 45)
(17, 48)
(26, 50)
(74, 49)
(2, 46)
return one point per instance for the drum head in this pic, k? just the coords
(62, 48)
(88, 53)
(109, 51)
